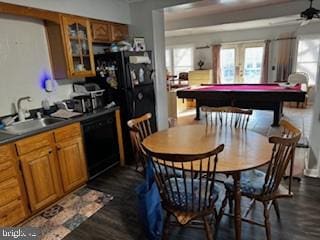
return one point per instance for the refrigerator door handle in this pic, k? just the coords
(134, 107)
(129, 72)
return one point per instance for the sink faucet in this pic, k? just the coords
(21, 111)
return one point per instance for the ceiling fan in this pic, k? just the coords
(308, 15)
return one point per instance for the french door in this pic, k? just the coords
(242, 63)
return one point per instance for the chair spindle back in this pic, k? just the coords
(282, 155)
(139, 129)
(184, 192)
(227, 116)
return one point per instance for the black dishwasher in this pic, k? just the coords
(101, 143)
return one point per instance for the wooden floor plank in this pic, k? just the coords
(118, 220)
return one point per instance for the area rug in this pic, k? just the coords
(59, 220)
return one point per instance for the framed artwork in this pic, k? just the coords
(139, 44)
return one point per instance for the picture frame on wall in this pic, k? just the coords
(139, 44)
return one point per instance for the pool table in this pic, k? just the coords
(249, 96)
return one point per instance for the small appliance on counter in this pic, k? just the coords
(67, 105)
(89, 92)
(82, 104)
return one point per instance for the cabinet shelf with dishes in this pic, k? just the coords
(70, 47)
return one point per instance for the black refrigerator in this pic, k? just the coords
(134, 91)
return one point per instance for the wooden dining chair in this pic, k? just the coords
(266, 187)
(227, 116)
(184, 196)
(139, 129)
(289, 130)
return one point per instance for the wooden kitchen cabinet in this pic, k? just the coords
(78, 43)
(13, 203)
(37, 171)
(119, 32)
(72, 163)
(41, 177)
(101, 32)
(70, 47)
(106, 32)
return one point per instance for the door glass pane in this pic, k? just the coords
(73, 31)
(75, 47)
(253, 65)
(82, 32)
(227, 65)
(86, 64)
(84, 47)
(77, 64)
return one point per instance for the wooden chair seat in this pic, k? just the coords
(252, 184)
(183, 193)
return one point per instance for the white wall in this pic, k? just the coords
(110, 10)
(239, 36)
(23, 57)
(24, 52)
(159, 54)
(313, 168)
(147, 21)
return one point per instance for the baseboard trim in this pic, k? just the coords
(312, 173)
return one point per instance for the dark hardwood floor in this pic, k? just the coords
(118, 220)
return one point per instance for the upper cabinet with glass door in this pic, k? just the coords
(78, 46)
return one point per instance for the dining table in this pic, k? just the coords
(243, 150)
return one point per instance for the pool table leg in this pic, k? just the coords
(277, 114)
(197, 111)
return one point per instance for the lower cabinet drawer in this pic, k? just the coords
(9, 191)
(7, 170)
(12, 213)
(68, 132)
(30, 144)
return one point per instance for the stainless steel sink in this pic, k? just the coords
(19, 128)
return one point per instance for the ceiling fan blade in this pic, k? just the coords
(293, 21)
(304, 23)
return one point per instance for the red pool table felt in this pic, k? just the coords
(246, 88)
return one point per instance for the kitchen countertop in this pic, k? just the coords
(8, 138)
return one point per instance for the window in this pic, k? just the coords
(307, 58)
(242, 63)
(253, 64)
(228, 65)
(179, 59)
